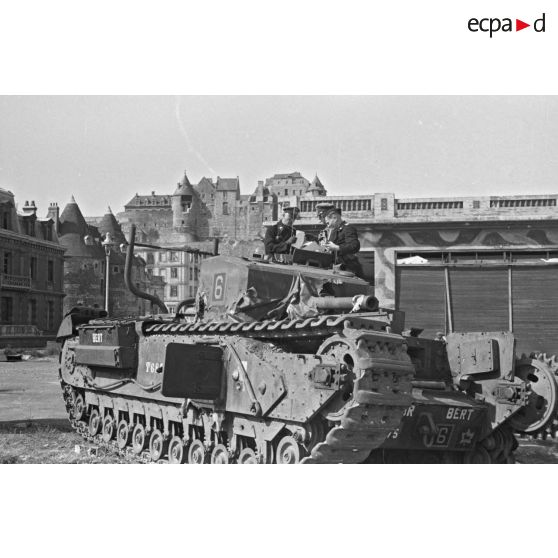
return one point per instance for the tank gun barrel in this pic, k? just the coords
(366, 303)
(128, 275)
(187, 250)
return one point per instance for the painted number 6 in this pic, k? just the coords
(219, 286)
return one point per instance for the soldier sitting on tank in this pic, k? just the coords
(280, 237)
(341, 239)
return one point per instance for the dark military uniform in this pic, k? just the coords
(346, 237)
(276, 238)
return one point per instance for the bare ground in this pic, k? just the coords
(49, 442)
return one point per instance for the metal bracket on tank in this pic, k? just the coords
(255, 408)
(329, 377)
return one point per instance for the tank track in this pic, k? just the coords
(266, 329)
(497, 448)
(81, 428)
(382, 392)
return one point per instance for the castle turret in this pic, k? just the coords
(183, 217)
(317, 188)
(110, 225)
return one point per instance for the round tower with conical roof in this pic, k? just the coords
(183, 209)
(317, 188)
(109, 224)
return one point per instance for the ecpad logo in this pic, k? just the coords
(494, 24)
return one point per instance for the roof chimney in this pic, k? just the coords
(54, 214)
(30, 208)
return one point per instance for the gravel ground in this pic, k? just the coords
(34, 426)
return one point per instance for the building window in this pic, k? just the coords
(225, 208)
(50, 271)
(6, 310)
(174, 272)
(32, 305)
(383, 204)
(150, 258)
(191, 274)
(163, 257)
(286, 191)
(50, 314)
(173, 291)
(6, 221)
(173, 256)
(7, 263)
(476, 204)
(33, 267)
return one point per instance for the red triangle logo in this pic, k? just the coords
(519, 25)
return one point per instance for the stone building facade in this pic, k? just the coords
(85, 265)
(31, 274)
(215, 209)
(193, 215)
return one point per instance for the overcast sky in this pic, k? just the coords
(103, 150)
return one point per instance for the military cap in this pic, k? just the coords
(294, 211)
(323, 206)
(332, 210)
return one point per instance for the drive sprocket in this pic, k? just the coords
(539, 416)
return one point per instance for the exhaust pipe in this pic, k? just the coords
(128, 275)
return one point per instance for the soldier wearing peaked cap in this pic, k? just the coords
(322, 208)
(341, 239)
(280, 237)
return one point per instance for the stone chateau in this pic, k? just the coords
(193, 215)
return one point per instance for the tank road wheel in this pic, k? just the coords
(247, 457)
(123, 436)
(289, 451)
(79, 407)
(196, 453)
(94, 422)
(157, 445)
(108, 428)
(541, 407)
(139, 438)
(220, 455)
(176, 452)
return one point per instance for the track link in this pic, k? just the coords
(382, 392)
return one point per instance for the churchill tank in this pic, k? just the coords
(295, 362)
